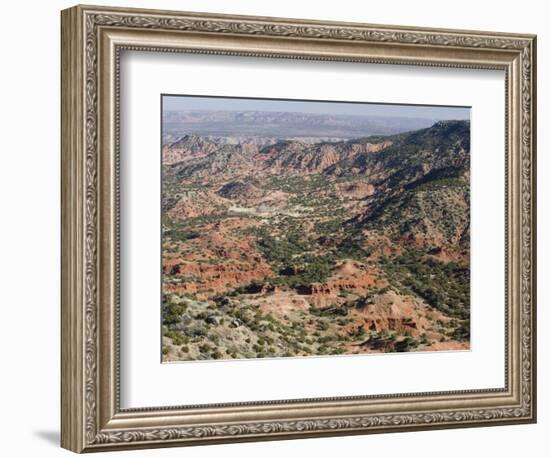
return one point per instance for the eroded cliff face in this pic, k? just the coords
(292, 248)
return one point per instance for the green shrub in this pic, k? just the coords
(462, 331)
(172, 313)
(323, 326)
(177, 337)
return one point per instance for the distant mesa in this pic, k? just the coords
(285, 124)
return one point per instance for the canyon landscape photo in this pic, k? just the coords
(307, 228)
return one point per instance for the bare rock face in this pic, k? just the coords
(376, 147)
(313, 159)
(393, 312)
(187, 148)
(237, 262)
(191, 204)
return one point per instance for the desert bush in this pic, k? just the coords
(177, 337)
(322, 326)
(205, 348)
(462, 331)
(172, 313)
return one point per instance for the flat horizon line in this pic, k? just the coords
(435, 119)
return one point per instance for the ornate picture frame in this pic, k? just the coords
(92, 41)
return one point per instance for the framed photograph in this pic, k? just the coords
(278, 228)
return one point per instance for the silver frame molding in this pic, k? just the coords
(92, 40)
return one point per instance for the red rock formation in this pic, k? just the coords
(189, 147)
(402, 314)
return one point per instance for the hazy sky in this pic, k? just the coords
(171, 102)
